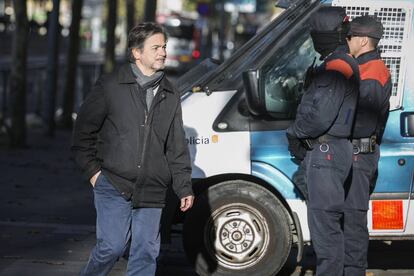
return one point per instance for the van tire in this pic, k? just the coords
(237, 228)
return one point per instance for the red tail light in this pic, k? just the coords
(195, 54)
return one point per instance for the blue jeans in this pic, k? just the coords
(117, 223)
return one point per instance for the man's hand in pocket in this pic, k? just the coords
(94, 178)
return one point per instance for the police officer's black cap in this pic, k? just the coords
(328, 19)
(366, 26)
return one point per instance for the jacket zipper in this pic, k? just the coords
(147, 114)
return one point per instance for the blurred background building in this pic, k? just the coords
(56, 83)
(200, 20)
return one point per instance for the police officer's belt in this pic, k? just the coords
(321, 140)
(364, 145)
(326, 138)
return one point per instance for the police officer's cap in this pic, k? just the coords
(366, 26)
(328, 19)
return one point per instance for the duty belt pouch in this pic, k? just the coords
(366, 145)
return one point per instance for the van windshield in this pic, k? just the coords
(256, 52)
(283, 75)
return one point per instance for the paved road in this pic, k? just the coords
(47, 220)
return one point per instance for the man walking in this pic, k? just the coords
(372, 113)
(325, 120)
(129, 142)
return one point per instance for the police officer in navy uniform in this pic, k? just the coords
(324, 120)
(372, 112)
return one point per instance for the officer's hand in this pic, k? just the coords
(300, 153)
(295, 147)
(186, 203)
(292, 143)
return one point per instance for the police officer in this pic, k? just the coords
(372, 112)
(325, 120)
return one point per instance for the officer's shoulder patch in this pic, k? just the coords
(340, 66)
(374, 70)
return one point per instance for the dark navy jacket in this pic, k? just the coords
(328, 105)
(374, 95)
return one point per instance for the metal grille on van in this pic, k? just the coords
(396, 18)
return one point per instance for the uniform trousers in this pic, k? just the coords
(362, 180)
(327, 168)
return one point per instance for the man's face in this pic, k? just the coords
(151, 57)
(356, 44)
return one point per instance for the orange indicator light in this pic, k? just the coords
(387, 214)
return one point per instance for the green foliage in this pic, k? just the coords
(190, 5)
(139, 10)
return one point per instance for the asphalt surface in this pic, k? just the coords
(47, 220)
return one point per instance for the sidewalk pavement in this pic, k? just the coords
(47, 217)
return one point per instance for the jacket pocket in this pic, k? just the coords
(120, 158)
(156, 164)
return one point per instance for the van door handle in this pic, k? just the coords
(407, 124)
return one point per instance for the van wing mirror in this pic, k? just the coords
(254, 94)
(407, 124)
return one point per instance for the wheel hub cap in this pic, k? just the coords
(238, 236)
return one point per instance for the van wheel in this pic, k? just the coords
(237, 227)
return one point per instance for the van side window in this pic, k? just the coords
(284, 75)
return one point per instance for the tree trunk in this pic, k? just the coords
(72, 64)
(18, 76)
(150, 10)
(110, 36)
(130, 7)
(53, 34)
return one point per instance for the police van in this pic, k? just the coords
(248, 212)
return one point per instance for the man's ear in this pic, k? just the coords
(364, 41)
(136, 53)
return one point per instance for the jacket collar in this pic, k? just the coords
(365, 57)
(126, 76)
(166, 85)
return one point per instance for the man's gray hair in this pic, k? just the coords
(138, 34)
